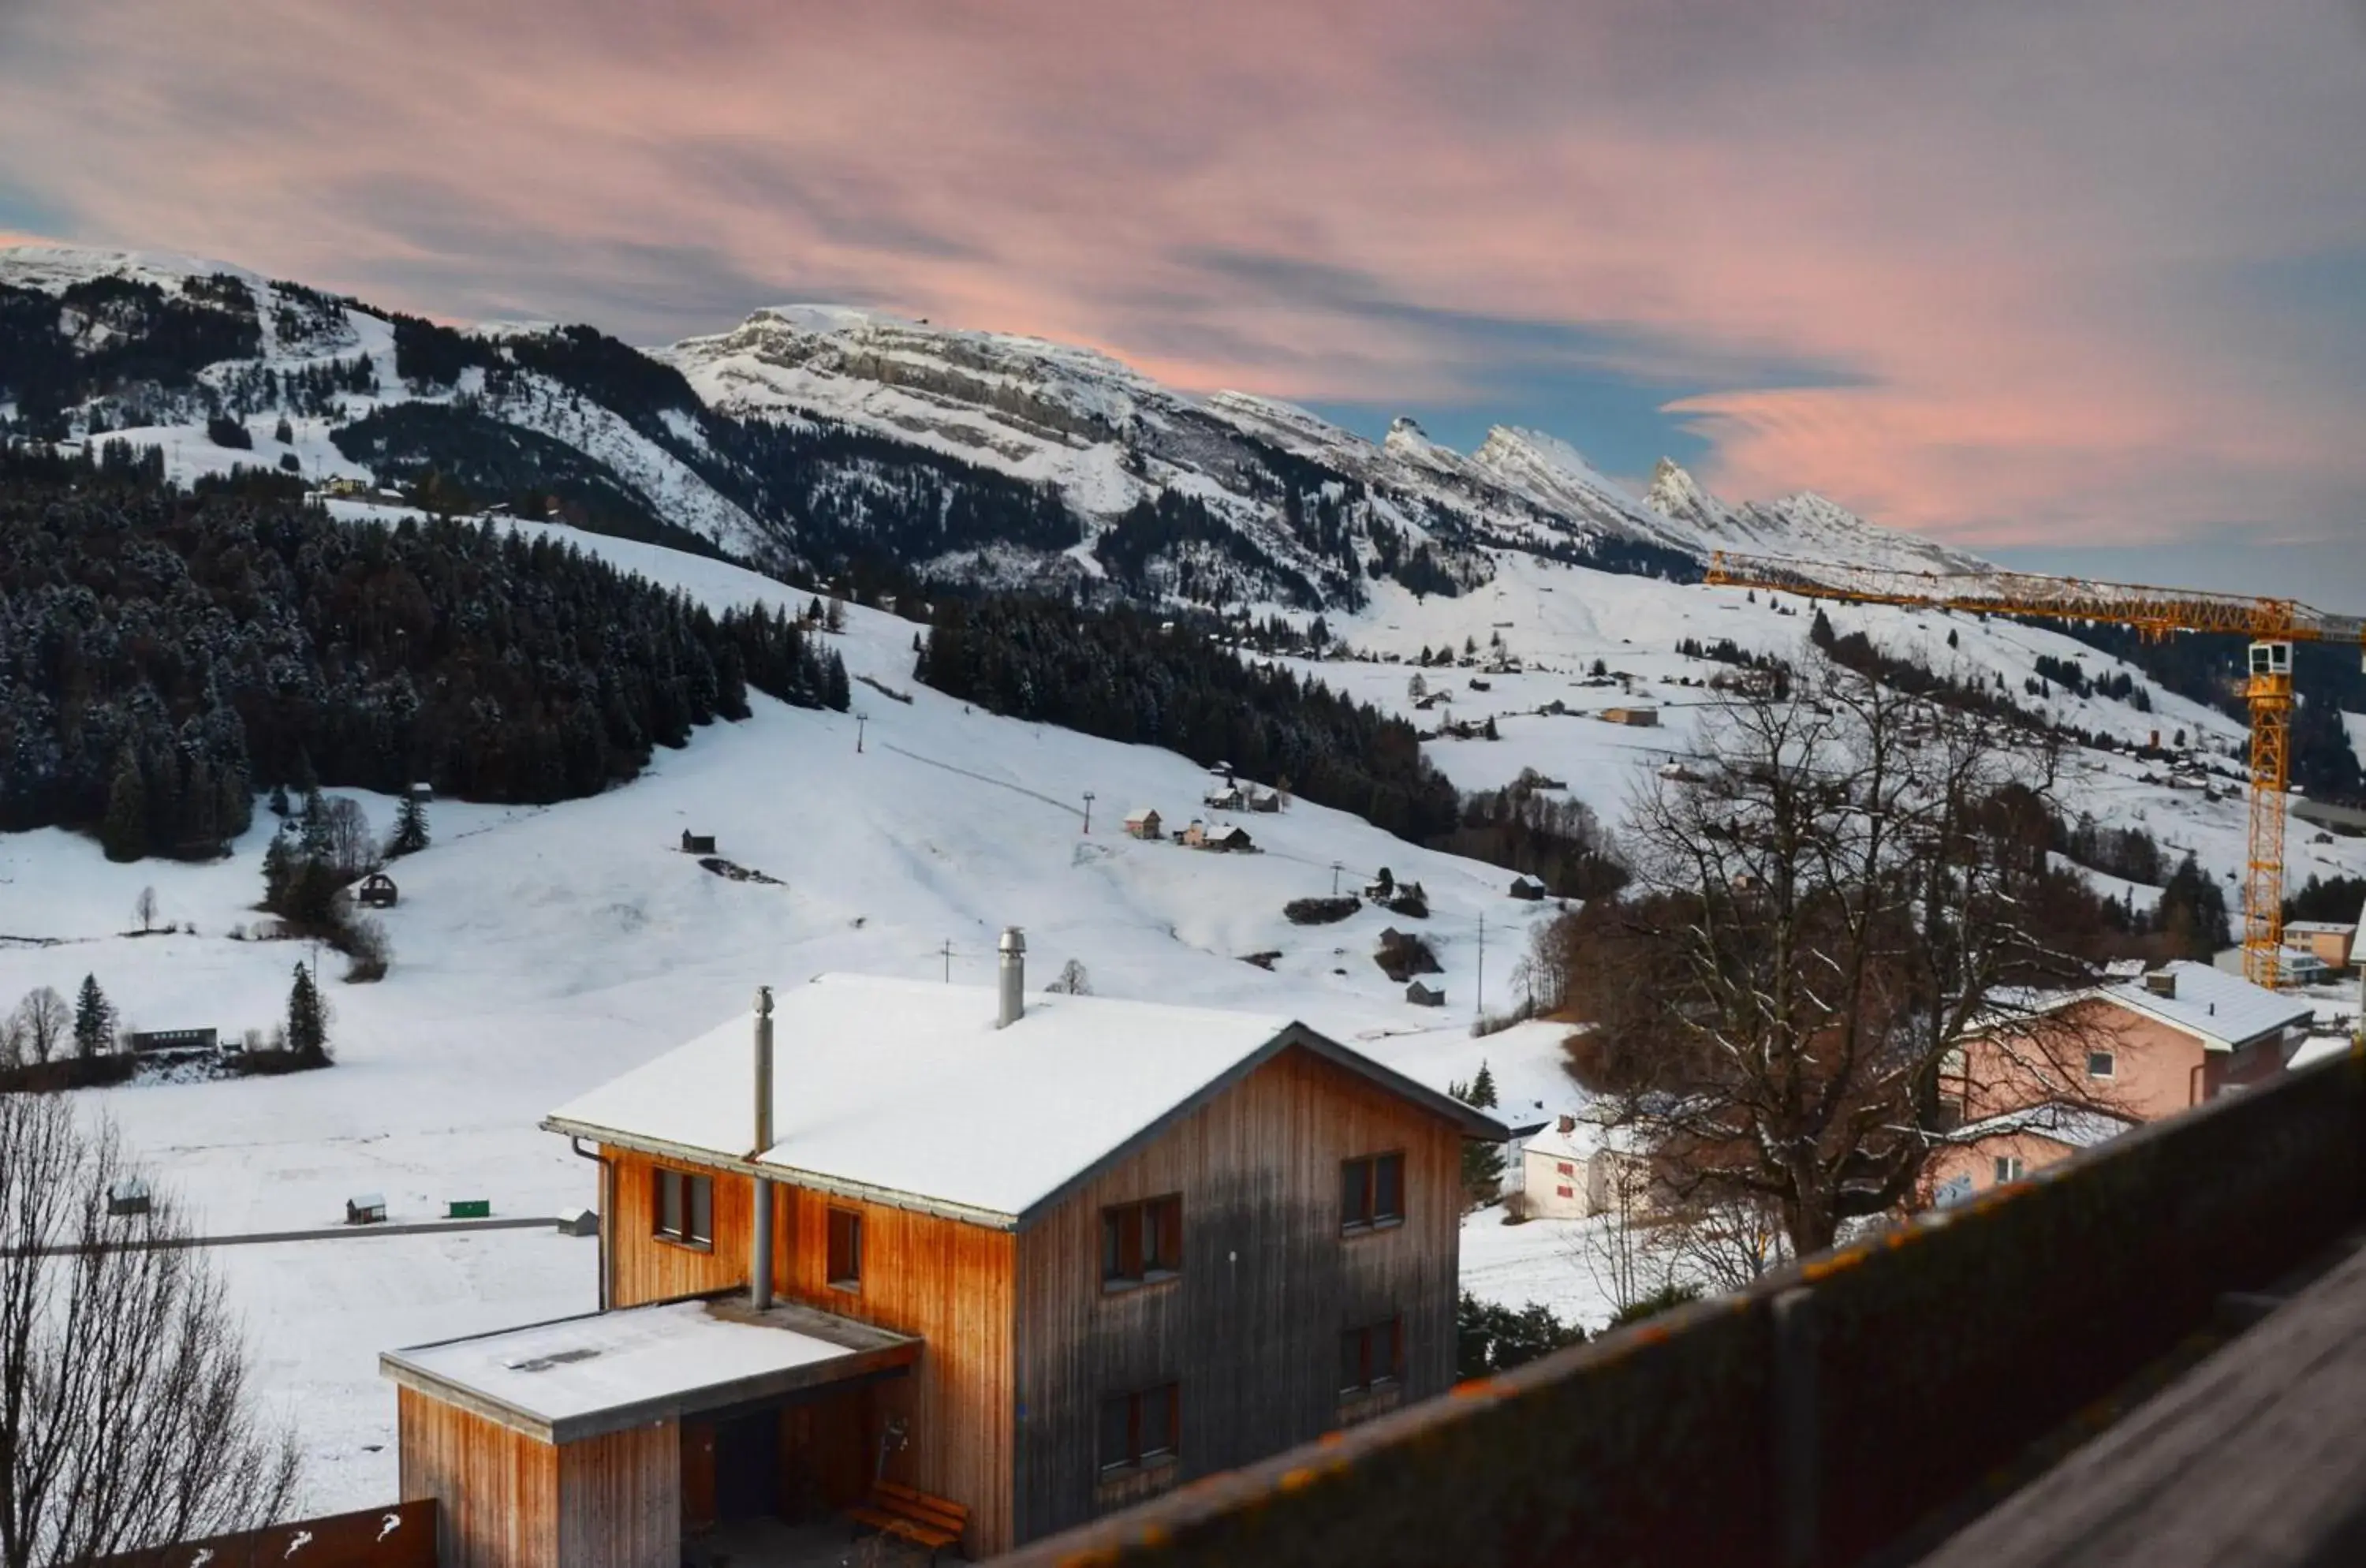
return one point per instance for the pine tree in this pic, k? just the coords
(1482, 1163)
(94, 1023)
(124, 834)
(282, 432)
(308, 1019)
(279, 806)
(409, 829)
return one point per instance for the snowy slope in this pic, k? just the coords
(540, 951)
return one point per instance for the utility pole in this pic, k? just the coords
(859, 720)
(1479, 992)
(1334, 879)
(948, 952)
(1088, 811)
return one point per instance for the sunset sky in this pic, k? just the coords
(2078, 284)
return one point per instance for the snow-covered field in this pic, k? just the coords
(540, 951)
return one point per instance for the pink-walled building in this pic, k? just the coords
(2149, 1047)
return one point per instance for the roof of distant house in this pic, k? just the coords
(1022, 1115)
(2224, 1010)
(2072, 1125)
(2330, 928)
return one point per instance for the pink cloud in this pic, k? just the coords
(2010, 228)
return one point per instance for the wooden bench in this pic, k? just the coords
(932, 1522)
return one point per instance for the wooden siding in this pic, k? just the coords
(620, 1499)
(648, 1267)
(945, 1282)
(496, 1490)
(1251, 1328)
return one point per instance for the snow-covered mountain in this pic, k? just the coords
(825, 437)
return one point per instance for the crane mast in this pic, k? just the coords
(2273, 626)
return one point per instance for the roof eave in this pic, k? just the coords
(689, 1153)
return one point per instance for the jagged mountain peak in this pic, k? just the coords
(1676, 493)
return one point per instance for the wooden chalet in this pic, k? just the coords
(914, 1252)
(1143, 822)
(377, 891)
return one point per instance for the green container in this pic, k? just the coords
(470, 1209)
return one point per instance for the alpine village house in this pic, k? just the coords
(975, 1264)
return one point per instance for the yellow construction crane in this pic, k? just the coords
(2272, 625)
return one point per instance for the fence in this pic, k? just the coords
(401, 1535)
(1826, 1413)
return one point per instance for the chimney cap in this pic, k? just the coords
(1013, 940)
(1568, 1123)
(764, 1001)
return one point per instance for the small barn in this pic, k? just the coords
(1639, 718)
(1423, 995)
(1527, 888)
(377, 892)
(366, 1209)
(128, 1196)
(697, 843)
(1264, 800)
(1142, 822)
(1225, 799)
(1221, 837)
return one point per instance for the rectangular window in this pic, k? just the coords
(1140, 1429)
(1565, 1168)
(1142, 1241)
(2101, 1064)
(1370, 1357)
(1371, 1192)
(2008, 1168)
(685, 1206)
(1564, 1191)
(845, 1269)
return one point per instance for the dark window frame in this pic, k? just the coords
(849, 1276)
(1126, 1426)
(1372, 1356)
(1365, 1185)
(682, 1208)
(1141, 1242)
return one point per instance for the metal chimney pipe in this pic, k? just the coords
(1013, 948)
(760, 1259)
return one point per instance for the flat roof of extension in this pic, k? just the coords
(582, 1377)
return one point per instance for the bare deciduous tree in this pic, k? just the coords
(125, 1417)
(40, 1022)
(145, 909)
(353, 848)
(1823, 918)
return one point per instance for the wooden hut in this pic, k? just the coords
(697, 843)
(1142, 822)
(1422, 996)
(377, 891)
(1527, 888)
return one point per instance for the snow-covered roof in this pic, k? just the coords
(2317, 927)
(2321, 1048)
(1010, 1118)
(2071, 1125)
(2223, 1009)
(1588, 1136)
(580, 1377)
